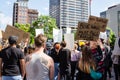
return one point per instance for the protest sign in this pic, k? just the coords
(69, 39)
(39, 31)
(57, 35)
(68, 30)
(11, 30)
(87, 31)
(99, 22)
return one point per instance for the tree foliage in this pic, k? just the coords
(112, 37)
(26, 28)
(47, 23)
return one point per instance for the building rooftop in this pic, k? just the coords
(113, 6)
(33, 11)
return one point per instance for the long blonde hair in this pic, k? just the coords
(87, 61)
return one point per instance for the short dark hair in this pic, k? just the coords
(40, 40)
(63, 44)
(12, 40)
(55, 44)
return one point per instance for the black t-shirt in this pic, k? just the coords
(11, 61)
(65, 57)
(55, 56)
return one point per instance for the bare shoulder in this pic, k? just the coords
(48, 60)
(48, 57)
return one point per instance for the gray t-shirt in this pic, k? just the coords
(37, 67)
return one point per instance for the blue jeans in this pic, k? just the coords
(12, 77)
(56, 68)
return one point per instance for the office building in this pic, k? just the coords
(103, 14)
(113, 16)
(32, 15)
(20, 10)
(68, 12)
(22, 14)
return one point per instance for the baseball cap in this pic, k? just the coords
(12, 39)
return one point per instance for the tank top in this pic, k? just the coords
(36, 69)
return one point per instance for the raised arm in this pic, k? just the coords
(100, 44)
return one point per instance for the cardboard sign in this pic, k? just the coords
(11, 30)
(99, 22)
(87, 31)
(69, 39)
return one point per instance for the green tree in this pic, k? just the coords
(47, 23)
(112, 37)
(26, 28)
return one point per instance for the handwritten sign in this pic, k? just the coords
(87, 31)
(11, 30)
(99, 22)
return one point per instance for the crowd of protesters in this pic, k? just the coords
(91, 60)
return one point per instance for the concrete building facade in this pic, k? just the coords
(113, 16)
(69, 12)
(21, 13)
(32, 15)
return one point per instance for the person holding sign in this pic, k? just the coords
(85, 63)
(98, 55)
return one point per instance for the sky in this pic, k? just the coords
(6, 8)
